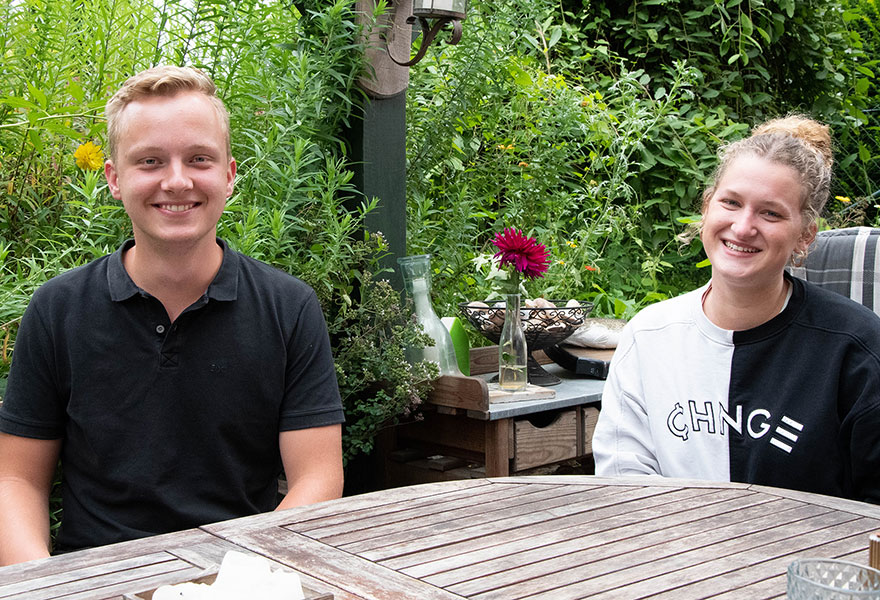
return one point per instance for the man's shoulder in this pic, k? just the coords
(85, 278)
(266, 278)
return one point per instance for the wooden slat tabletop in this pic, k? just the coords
(555, 537)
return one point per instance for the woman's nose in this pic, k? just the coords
(743, 224)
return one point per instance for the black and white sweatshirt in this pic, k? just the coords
(792, 403)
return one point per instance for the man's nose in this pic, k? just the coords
(176, 178)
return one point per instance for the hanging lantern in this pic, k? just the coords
(442, 12)
(432, 9)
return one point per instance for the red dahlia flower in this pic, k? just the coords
(525, 254)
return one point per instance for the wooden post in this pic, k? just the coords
(377, 137)
(874, 550)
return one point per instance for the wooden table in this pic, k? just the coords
(552, 537)
(464, 424)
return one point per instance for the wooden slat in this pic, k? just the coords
(351, 573)
(435, 492)
(459, 391)
(656, 511)
(627, 553)
(627, 532)
(667, 569)
(771, 572)
(349, 528)
(389, 540)
(480, 527)
(103, 581)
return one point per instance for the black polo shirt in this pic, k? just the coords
(168, 426)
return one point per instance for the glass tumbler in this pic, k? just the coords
(829, 579)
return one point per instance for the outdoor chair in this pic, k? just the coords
(846, 261)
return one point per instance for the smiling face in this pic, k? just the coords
(753, 222)
(171, 169)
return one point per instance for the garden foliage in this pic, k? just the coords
(594, 125)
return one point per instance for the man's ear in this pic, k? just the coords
(112, 179)
(231, 170)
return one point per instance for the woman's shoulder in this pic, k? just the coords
(659, 314)
(832, 311)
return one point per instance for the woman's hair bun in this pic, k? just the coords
(811, 132)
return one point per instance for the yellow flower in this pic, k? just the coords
(572, 244)
(89, 157)
(842, 198)
(523, 164)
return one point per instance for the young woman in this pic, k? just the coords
(757, 376)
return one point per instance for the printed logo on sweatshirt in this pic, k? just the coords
(714, 419)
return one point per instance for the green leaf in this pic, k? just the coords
(745, 24)
(864, 153)
(16, 102)
(38, 95)
(75, 90)
(704, 263)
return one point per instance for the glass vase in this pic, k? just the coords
(416, 271)
(513, 354)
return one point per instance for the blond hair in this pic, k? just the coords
(794, 141)
(163, 80)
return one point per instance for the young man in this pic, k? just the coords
(174, 378)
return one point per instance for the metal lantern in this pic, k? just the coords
(431, 9)
(442, 12)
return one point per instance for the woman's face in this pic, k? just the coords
(753, 222)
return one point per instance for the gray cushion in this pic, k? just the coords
(845, 261)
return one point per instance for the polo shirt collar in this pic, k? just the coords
(223, 287)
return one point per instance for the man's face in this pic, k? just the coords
(171, 170)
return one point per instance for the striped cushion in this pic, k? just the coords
(846, 261)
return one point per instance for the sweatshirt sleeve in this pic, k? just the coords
(622, 442)
(860, 427)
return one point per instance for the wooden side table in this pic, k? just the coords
(464, 434)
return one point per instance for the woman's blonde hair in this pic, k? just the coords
(164, 80)
(795, 141)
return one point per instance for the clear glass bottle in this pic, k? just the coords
(416, 271)
(513, 354)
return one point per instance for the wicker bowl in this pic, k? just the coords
(543, 327)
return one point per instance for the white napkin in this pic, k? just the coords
(240, 576)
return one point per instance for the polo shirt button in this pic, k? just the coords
(160, 329)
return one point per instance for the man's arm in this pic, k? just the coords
(27, 467)
(312, 461)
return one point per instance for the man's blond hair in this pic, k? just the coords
(163, 80)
